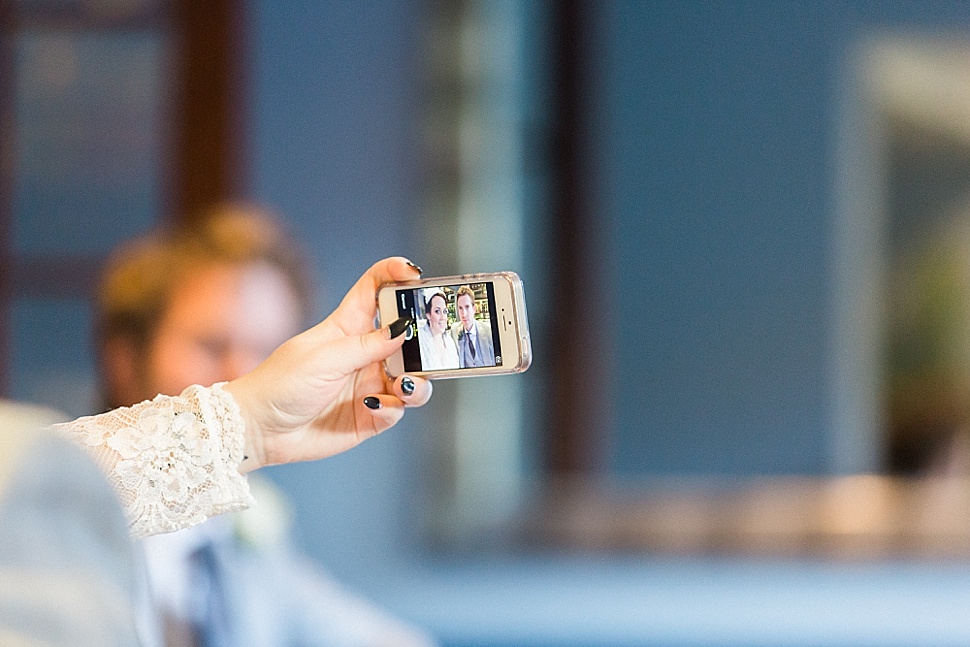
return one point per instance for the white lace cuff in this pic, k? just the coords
(173, 460)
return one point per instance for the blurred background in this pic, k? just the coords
(744, 230)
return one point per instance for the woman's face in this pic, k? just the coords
(437, 315)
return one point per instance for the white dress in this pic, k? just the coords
(174, 461)
(436, 356)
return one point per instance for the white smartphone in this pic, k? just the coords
(462, 326)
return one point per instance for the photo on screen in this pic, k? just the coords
(453, 327)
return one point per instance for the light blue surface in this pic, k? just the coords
(588, 602)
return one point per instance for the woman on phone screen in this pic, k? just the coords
(438, 349)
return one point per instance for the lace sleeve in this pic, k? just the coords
(173, 460)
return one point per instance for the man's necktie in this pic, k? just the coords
(212, 616)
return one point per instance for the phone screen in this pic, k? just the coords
(453, 327)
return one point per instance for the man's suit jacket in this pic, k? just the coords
(485, 348)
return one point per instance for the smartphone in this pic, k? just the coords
(462, 326)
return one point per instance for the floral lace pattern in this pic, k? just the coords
(173, 460)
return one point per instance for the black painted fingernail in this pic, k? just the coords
(399, 326)
(407, 385)
(372, 403)
(420, 271)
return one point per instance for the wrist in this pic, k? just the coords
(254, 451)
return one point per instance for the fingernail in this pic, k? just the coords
(372, 403)
(399, 326)
(420, 271)
(407, 385)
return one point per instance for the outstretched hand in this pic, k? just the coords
(325, 390)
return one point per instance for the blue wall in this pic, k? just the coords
(716, 152)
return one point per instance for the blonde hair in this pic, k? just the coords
(465, 291)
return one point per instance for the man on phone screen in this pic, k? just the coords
(474, 338)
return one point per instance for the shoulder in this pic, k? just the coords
(18, 415)
(58, 514)
(23, 426)
(49, 483)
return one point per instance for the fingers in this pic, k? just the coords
(387, 409)
(353, 353)
(412, 390)
(395, 268)
(384, 410)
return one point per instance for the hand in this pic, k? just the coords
(325, 390)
